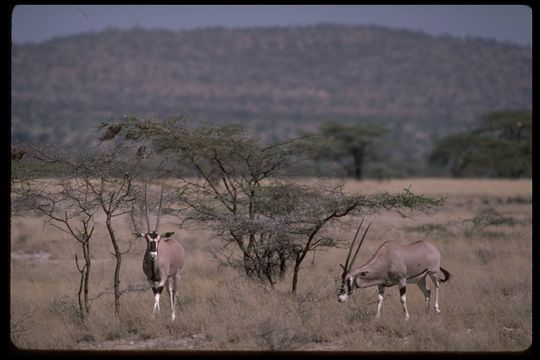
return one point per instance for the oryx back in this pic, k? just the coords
(419, 258)
(393, 261)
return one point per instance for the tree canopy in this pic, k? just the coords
(500, 146)
(351, 146)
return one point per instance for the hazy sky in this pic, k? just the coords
(509, 23)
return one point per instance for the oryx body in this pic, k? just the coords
(396, 264)
(163, 262)
(164, 268)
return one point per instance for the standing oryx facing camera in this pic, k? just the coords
(394, 264)
(163, 260)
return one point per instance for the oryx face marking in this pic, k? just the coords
(346, 289)
(152, 242)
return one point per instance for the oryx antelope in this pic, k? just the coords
(394, 264)
(163, 260)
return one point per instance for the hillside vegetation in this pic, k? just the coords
(278, 81)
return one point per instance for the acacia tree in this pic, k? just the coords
(455, 152)
(240, 190)
(352, 146)
(115, 196)
(230, 169)
(81, 186)
(110, 176)
(65, 200)
(499, 146)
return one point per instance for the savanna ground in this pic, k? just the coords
(484, 233)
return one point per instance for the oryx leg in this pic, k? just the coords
(422, 284)
(171, 289)
(157, 292)
(380, 300)
(435, 279)
(403, 296)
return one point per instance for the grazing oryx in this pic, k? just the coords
(163, 260)
(394, 264)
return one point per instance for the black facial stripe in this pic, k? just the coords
(153, 246)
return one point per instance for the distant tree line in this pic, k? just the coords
(499, 146)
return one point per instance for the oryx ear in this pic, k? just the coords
(138, 234)
(168, 234)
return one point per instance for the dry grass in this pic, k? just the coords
(486, 307)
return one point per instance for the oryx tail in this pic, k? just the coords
(447, 275)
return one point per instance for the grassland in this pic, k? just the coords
(484, 233)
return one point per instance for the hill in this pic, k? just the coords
(277, 80)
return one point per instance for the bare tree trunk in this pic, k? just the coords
(282, 264)
(82, 294)
(84, 283)
(268, 271)
(302, 252)
(458, 167)
(296, 270)
(82, 310)
(358, 157)
(118, 256)
(248, 265)
(86, 253)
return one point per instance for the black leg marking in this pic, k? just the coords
(402, 291)
(157, 290)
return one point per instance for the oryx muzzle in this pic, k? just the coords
(393, 264)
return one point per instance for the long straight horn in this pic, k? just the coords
(346, 267)
(159, 209)
(146, 208)
(359, 245)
